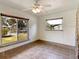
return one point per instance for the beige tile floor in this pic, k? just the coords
(38, 50)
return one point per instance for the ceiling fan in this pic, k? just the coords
(37, 7)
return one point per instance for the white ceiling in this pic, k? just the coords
(26, 5)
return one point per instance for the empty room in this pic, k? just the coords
(39, 29)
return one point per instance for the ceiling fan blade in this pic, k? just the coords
(47, 5)
(27, 9)
(36, 1)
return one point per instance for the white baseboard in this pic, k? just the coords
(60, 45)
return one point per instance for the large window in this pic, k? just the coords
(54, 24)
(13, 29)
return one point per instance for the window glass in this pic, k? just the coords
(54, 24)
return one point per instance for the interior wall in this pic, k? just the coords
(67, 36)
(32, 19)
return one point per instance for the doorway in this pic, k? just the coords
(77, 33)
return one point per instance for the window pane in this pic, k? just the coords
(54, 24)
(9, 30)
(22, 30)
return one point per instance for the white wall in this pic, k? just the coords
(67, 36)
(32, 19)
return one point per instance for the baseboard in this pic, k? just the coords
(3, 49)
(60, 45)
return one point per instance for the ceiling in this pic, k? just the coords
(26, 5)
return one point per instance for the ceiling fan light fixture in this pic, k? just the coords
(36, 10)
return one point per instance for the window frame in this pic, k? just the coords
(16, 42)
(55, 19)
